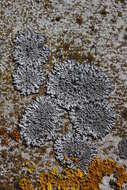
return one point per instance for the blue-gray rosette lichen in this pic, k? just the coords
(28, 79)
(41, 121)
(72, 83)
(29, 48)
(75, 153)
(94, 119)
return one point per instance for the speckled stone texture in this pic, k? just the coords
(92, 31)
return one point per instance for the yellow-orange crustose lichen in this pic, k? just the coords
(121, 175)
(26, 184)
(77, 180)
(30, 166)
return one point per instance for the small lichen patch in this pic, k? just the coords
(74, 152)
(29, 48)
(121, 175)
(28, 79)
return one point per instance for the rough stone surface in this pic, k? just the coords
(92, 30)
(105, 184)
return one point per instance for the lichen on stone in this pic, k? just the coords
(76, 179)
(28, 79)
(29, 48)
(26, 184)
(94, 119)
(72, 83)
(122, 146)
(41, 120)
(75, 153)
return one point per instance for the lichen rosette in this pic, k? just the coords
(27, 80)
(95, 120)
(75, 153)
(41, 121)
(72, 83)
(30, 48)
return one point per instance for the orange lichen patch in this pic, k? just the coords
(75, 160)
(94, 175)
(121, 175)
(15, 135)
(26, 184)
(106, 167)
(61, 180)
(76, 179)
(109, 166)
(67, 179)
